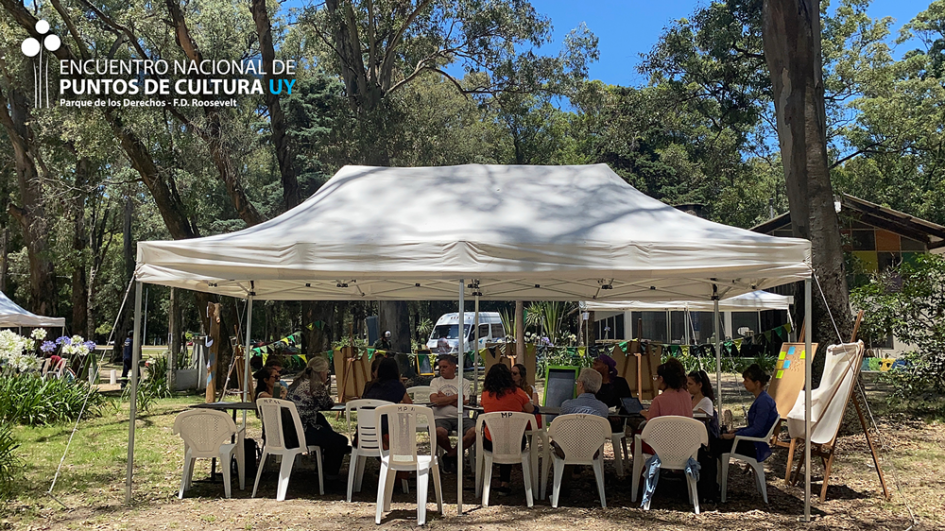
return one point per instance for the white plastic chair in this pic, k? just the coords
(270, 410)
(402, 455)
(582, 439)
(369, 439)
(419, 393)
(757, 467)
(60, 368)
(506, 429)
(207, 433)
(675, 440)
(44, 368)
(618, 439)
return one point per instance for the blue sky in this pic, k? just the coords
(627, 28)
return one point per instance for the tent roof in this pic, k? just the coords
(12, 315)
(748, 302)
(524, 232)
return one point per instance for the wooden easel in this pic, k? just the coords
(827, 452)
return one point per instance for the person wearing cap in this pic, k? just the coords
(612, 387)
(383, 342)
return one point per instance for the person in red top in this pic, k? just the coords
(499, 393)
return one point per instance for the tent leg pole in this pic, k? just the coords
(459, 402)
(476, 352)
(718, 350)
(136, 348)
(808, 368)
(246, 352)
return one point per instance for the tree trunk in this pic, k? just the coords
(173, 327)
(291, 194)
(394, 316)
(792, 50)
(4, 255)
(31, 215)
(80, 285)
(317, 317)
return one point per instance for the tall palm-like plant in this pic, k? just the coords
(549, 316)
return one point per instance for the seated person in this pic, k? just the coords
(761, 416)
(588, 383)
(310, 393)
(499, 393)
(519, 377)
(387, 385)
(267, 385)
(374, 365)
(612, 387)
(673, 399)
(443, 393)
(700, 388)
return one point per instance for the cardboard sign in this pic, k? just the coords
(788, 378)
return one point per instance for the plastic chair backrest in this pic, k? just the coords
(419, 393)
(356, 406)
(402, 431)
(506, 430)
(270, 411)
(45, 367)
(58, 369)
(368, 434)
(675, 439)
(579, 436)
(204, 430)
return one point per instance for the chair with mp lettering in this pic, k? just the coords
(270, 410)
(506, 431)
(403, 455)
(207, 433)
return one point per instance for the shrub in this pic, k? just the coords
(909, 301)
(9, 463)
(29, 399)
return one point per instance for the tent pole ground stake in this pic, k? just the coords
(808, 368)
(136, 348)
(459, 402)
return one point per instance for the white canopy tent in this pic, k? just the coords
(513, 232)
(13, 315)
(754, 301)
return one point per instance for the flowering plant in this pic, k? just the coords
(15, 352)
(75, 345)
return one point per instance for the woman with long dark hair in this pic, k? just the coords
(387, 386)
(519, 376)
(499, 393)
(310, 393)
(700, 388)
(761, 416)
(266, 387)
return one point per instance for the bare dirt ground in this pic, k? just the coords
(914, 452)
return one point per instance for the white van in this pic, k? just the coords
(490, 330)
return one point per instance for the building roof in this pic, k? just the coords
(931, 234)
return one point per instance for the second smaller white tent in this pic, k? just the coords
(754, 301)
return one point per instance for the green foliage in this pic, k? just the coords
(909, 301)
(10, 464)
(736, 365)
(32, 400)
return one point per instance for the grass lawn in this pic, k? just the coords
(91, 486)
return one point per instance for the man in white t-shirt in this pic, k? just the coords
(444, 391)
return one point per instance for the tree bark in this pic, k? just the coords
(291, 194)
(394, 316)
(4, 256)
(15, 117)
(213, 135)
(80, 285)
(792, 35)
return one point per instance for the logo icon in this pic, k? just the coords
(32, 48)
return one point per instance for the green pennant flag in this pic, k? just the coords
(685, 350)
(768, 336)
(623, 346)
(370, 354)
(738, 343)
(582, 351)
(780, 331)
